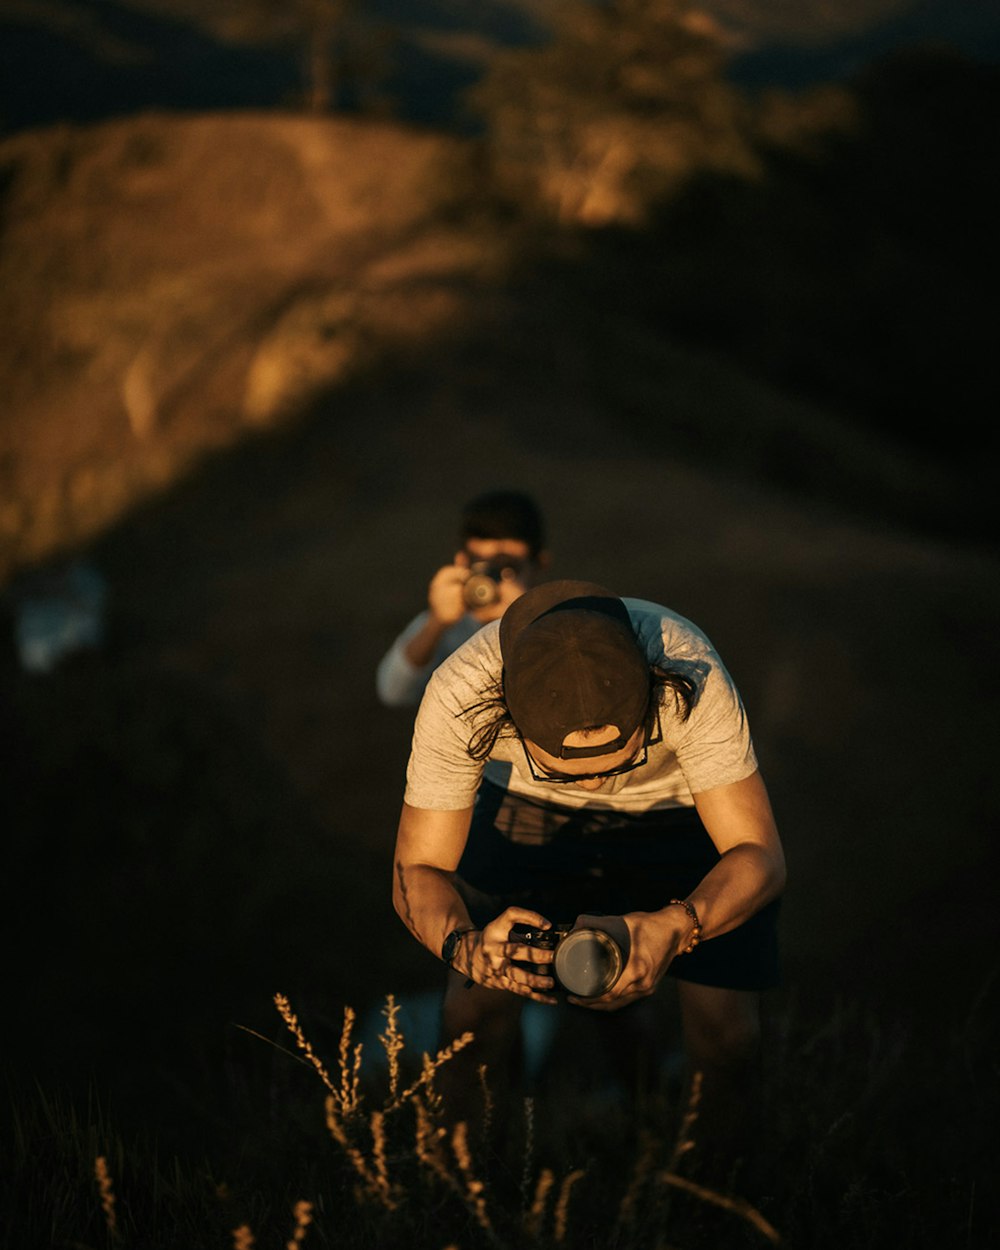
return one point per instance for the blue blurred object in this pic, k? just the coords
(56, 613)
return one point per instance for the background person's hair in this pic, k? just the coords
(504, 514)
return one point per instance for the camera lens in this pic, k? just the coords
(588, 962)
(480, 590)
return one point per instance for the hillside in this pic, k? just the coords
(176, 282)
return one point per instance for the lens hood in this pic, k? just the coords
(588, 962)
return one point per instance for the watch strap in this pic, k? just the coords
(450, 945)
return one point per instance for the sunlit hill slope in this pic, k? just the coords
(171, 283)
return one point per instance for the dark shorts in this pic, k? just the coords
(564, 863)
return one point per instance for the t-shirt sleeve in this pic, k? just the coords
(713, 746)
(441, 775)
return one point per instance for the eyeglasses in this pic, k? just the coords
(567, 779)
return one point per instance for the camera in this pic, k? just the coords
(587, 960)
(482, 587)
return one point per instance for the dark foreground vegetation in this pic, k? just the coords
(873, 1139)
(170, 886)
(847, 1160)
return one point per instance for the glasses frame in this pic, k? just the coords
(653, 735)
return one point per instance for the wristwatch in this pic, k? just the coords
(450, 947)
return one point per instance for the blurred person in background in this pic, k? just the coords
(501, 554)
(622, 783)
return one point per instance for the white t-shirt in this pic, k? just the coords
(711, 748)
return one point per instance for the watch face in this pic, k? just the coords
(451, 945)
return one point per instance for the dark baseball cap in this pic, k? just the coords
(570, 662)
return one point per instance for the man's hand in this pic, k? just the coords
(444, 595)
(445, 607)
(509, 588)
(655, 938)
(487, 957)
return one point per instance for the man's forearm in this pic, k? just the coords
(428, 904)
(745, 879)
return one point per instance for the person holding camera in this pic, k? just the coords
(585, 765)
(502, 553)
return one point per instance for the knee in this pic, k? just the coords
(731, 1043)
(487, 1014)
(726, 1038)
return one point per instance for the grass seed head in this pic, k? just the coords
(107, 1193)
(302, 1212)
(562, 1204)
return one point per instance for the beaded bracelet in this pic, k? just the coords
(696, 934)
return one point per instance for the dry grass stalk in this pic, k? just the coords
(536, 1214)
(640, 1175)
(344, 1102)
(392, 1041)
(430, 1153)
(107, 1193)
(303, 1218)
(685, 1136)
(386, 1192)
(428, 1143)
(435, 1104)
(683, 1143)
(243, 1238)
(430, 1066)
(562, 1205)
(474, 1188)
(736, 1205)
(460, 1145)
(529, 1148)
(350, 1067)
(486, 1131)
(373, 1182)
(292, 1023)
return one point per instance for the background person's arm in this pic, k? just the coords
(404, 670)
(445, 607)
(397, 682)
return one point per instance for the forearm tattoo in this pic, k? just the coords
(404, 895)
